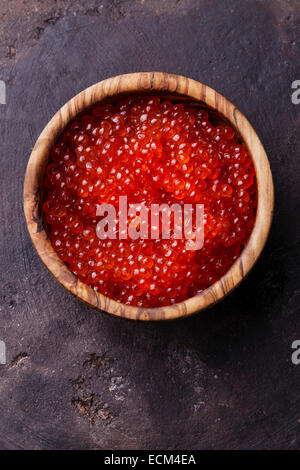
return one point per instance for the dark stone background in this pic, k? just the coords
(80, 379)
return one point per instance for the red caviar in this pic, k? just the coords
(152, 151)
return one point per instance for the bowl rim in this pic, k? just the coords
(180, 87)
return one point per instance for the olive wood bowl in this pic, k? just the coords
(173, 87)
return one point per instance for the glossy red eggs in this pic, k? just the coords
(154, 152)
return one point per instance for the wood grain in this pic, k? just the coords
(180, 88)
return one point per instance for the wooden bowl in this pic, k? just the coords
(177, 88)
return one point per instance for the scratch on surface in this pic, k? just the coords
(18, 359)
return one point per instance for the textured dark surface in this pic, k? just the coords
(77, 378)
